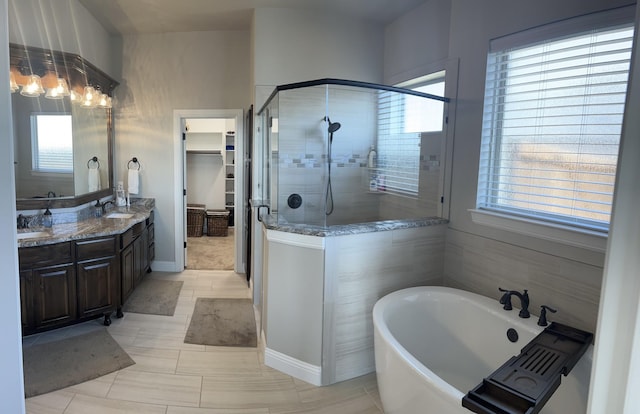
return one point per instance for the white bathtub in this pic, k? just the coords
(434, 344)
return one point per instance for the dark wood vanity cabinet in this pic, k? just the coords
(98, 281)
(70, 282)
(47, 286)
(137, 250)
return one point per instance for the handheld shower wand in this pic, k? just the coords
(333, 127)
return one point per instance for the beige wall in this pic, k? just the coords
(161, 73)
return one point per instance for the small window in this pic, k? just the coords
(402, 119)
(552, 120)
(52, 142)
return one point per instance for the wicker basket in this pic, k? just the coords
(218, 223)
(195, 220)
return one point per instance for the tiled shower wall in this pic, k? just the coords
(302, 156)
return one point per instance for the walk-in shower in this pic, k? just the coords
(312, 179)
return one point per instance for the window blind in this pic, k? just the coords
(551, 127)
(398, 165)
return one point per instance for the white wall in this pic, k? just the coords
(11, 383)
(300, 45)
(616, 374)
(160, 73)
(63, 25)
(416, 40)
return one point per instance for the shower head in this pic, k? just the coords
(333, 126)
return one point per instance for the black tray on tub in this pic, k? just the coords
(526, 382)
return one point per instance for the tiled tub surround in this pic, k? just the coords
(82, 224)
(320, 285)
(479, 264)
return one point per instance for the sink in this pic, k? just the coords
(120, 215)
(32, 235)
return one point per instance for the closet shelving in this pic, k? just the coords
(229, 166)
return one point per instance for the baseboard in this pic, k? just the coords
(291, 366)
(159, 266)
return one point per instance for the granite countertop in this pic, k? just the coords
(345, 229)
(92, 227)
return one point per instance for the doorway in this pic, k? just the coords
(209, 144)
(210, 176)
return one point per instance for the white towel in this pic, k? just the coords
(94, 179)
(132, 181)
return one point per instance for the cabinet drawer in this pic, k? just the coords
(37, 256)
(89, 249)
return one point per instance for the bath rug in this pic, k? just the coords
(155, 297)
(55, 365)
(222, 322)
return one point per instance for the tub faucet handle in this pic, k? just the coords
(542, 320)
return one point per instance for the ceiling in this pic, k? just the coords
(160, 16)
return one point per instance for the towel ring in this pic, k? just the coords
(135, 161)
(94, 160)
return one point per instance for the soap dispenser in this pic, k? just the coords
(47, 219)
(372, 158)
(121, 199)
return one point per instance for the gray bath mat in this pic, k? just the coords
(222, 322)
(59, 364)
(154, 296)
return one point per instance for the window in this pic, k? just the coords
(52, 143)
(401, 121)
(552, 121)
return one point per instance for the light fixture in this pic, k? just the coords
(13, 83)
(90, 97)
(33, 88)
(59, 91)
(105, 101)
(75, 97)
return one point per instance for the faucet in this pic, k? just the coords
(23, 222)
(104, 205)
(524, 301)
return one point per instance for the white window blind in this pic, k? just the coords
(398, 152)
(52, 143)
(551, 126)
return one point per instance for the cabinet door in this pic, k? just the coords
(54, 295)
(97, 286)
(127, 266)
(26, 301)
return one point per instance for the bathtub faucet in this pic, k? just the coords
(524, 301)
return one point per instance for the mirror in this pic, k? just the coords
(62, 147)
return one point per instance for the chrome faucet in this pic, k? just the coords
(524, 301)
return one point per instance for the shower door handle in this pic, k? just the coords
(259, 211)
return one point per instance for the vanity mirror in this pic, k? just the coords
(62, 128)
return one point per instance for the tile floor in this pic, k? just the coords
(171, 377)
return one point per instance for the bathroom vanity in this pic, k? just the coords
(84, 270)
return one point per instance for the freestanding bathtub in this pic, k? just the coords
(434, 344)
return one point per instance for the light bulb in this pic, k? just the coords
(12, 82)
(59, 91)
(33, 88)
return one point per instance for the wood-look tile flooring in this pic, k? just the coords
(171, 377)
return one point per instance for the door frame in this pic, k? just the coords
(180, 199)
